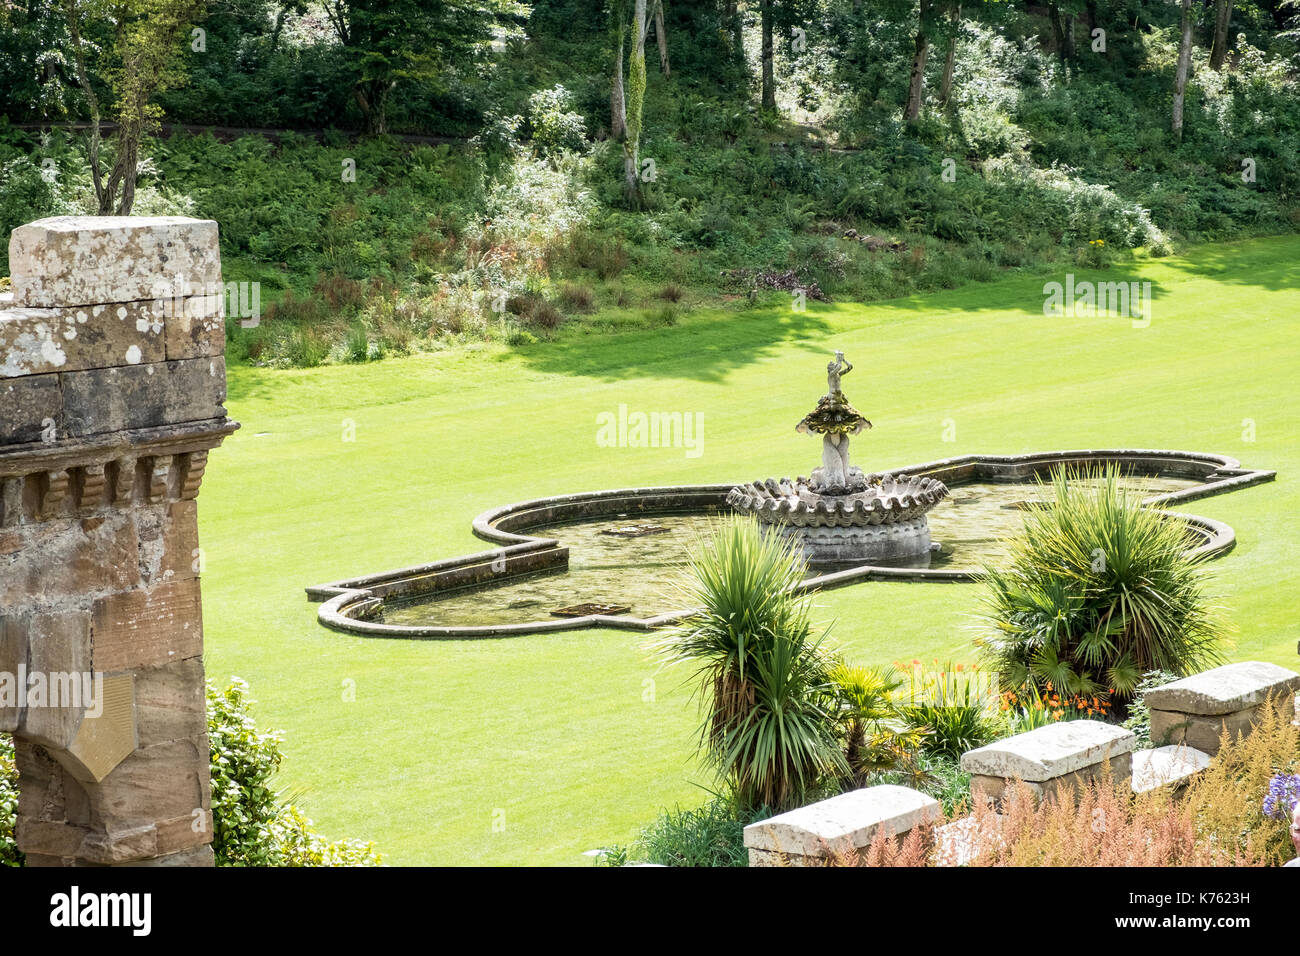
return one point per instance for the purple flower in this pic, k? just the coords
(1282, 797)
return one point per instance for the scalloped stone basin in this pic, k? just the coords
(879, 518)
(550, 553)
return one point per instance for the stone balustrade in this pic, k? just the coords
(112, 384)
(1196, 710)
(839, 828)
(1063, 754)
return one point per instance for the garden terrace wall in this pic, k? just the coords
(1063, 754)
(1197, 710)
(112, 386)
(839, 829)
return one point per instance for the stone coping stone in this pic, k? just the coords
(94, 260)
(844, 823)
(1224, 690)
(1051, 751)
(1165, 766)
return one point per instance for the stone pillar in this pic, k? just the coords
(840, 827)
(1196, 710)
(111, 389)
(1059, 755)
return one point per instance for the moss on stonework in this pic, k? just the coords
(834, 416)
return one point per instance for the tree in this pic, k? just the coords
(635, 104)
(769, 78)
(661, 39)
(1219, 46)
(1183, 69)
(146, 59)
(950, 60)
(617, 97)
(391, 41)
(916, 84)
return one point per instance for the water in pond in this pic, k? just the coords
(646, 573)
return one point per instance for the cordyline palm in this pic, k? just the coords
(764, 682)
(1099, 591)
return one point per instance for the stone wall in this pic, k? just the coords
(111, 389)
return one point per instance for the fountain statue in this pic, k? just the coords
(839, 515)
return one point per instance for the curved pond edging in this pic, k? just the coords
(351, 605)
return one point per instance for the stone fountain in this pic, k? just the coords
(839, 515)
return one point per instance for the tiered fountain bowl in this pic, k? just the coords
(840, 515)
(875, 519)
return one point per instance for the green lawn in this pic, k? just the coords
(533, 749)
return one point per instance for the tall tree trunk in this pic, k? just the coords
(617, 100)
(73, 16)
(372, 97)
(1058, 31)
(1184, 67)
(731, 11)
(769, 79)
(950, 61)
(635, 106)
(279, 25)
(1219, 49)
(661, 38)
(916, 86)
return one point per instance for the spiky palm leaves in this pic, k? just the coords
(1099, 591)
(875, 735)
(769, 727)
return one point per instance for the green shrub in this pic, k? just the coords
(711, 835)
(951, 707)
(251, 823)
(9, 855)
(555, 127)
(1139, 714)
(1099, 591)
(871, 723)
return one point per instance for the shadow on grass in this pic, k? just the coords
(1271, 263)
(704, 347)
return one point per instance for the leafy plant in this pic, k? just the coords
(764, 678)
(251, 824)
(951, 706)
(1228, 799)
(9, 853)
(1139, 714)
(711, 835)
(1099, 591)
(872, 723)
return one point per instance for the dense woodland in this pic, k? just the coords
(411, 175)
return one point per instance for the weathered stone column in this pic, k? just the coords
(111, 389)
